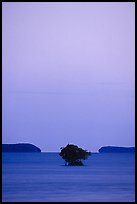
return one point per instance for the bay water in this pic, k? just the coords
(43, 177)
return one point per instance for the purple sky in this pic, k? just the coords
(68, 74)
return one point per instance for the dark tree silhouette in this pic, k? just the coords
(73, 155)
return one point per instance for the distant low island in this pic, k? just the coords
(115, 149)
(20, 147)
(27, 147)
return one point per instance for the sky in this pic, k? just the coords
(68, 74)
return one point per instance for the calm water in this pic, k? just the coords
(43, 177)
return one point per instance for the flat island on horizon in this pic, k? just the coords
(27, 147)
(115, 149)
(20, 147)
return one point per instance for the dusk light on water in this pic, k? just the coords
(68, 83)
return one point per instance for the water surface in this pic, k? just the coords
(42, 177)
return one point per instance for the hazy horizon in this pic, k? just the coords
(64, 146)
(68, 74)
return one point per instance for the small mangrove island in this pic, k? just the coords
(73, 155)
(115, 149)
(20, 147)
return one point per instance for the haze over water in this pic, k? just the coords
(68, 76)
(68, 73)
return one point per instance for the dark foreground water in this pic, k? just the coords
(43, 177)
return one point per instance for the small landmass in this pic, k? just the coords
(20, 147)
(73, 155)
(115, 149)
